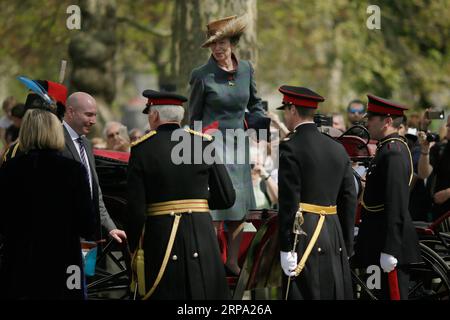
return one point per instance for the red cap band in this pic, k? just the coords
(300, 102)
(156, 102)
(371, 107)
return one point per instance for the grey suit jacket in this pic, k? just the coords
(71, 152)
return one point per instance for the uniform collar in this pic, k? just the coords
(300, 124)
(392, 135)
(168, 127)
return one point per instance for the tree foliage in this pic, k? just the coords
(327, 46)
(34, 40)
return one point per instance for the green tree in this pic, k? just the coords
(326, 45)
(34, 41)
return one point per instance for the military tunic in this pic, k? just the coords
(195, 269)
(315, 169)
(386, 224)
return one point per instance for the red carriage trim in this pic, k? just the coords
(115, 155)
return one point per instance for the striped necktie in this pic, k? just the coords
(84, 161)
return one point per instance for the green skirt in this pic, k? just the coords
(240, 174)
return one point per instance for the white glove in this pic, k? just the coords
(387, 262)
(288, 262)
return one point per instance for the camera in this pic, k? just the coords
(432, 137)
(323, 120)
(432, 115)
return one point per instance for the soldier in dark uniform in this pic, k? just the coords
(386, 235)
(169, 205)
(317, 192)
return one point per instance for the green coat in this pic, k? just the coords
(218, 95)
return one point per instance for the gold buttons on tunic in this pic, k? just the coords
(195, 255)
(174, 257)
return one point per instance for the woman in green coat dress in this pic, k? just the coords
(221, 92)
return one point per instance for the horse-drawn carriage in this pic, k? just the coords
(113, 267)
(259, 255)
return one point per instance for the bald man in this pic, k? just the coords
(80, 116)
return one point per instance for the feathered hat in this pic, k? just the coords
(47, 95)
(225, 28)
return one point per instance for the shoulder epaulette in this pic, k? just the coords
(143, 138)
(390, 141)
(204, 135)
(13, 149)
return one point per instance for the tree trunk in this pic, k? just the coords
(92, 51)
(335, 76)
(189, 32)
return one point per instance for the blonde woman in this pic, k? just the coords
(49, 207)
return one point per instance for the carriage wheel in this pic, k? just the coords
(112, 283)
(430, 279)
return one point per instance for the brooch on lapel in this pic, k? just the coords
(231, 82)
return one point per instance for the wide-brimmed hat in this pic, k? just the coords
(225, 28)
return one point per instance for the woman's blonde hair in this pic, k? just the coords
(41, 129)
